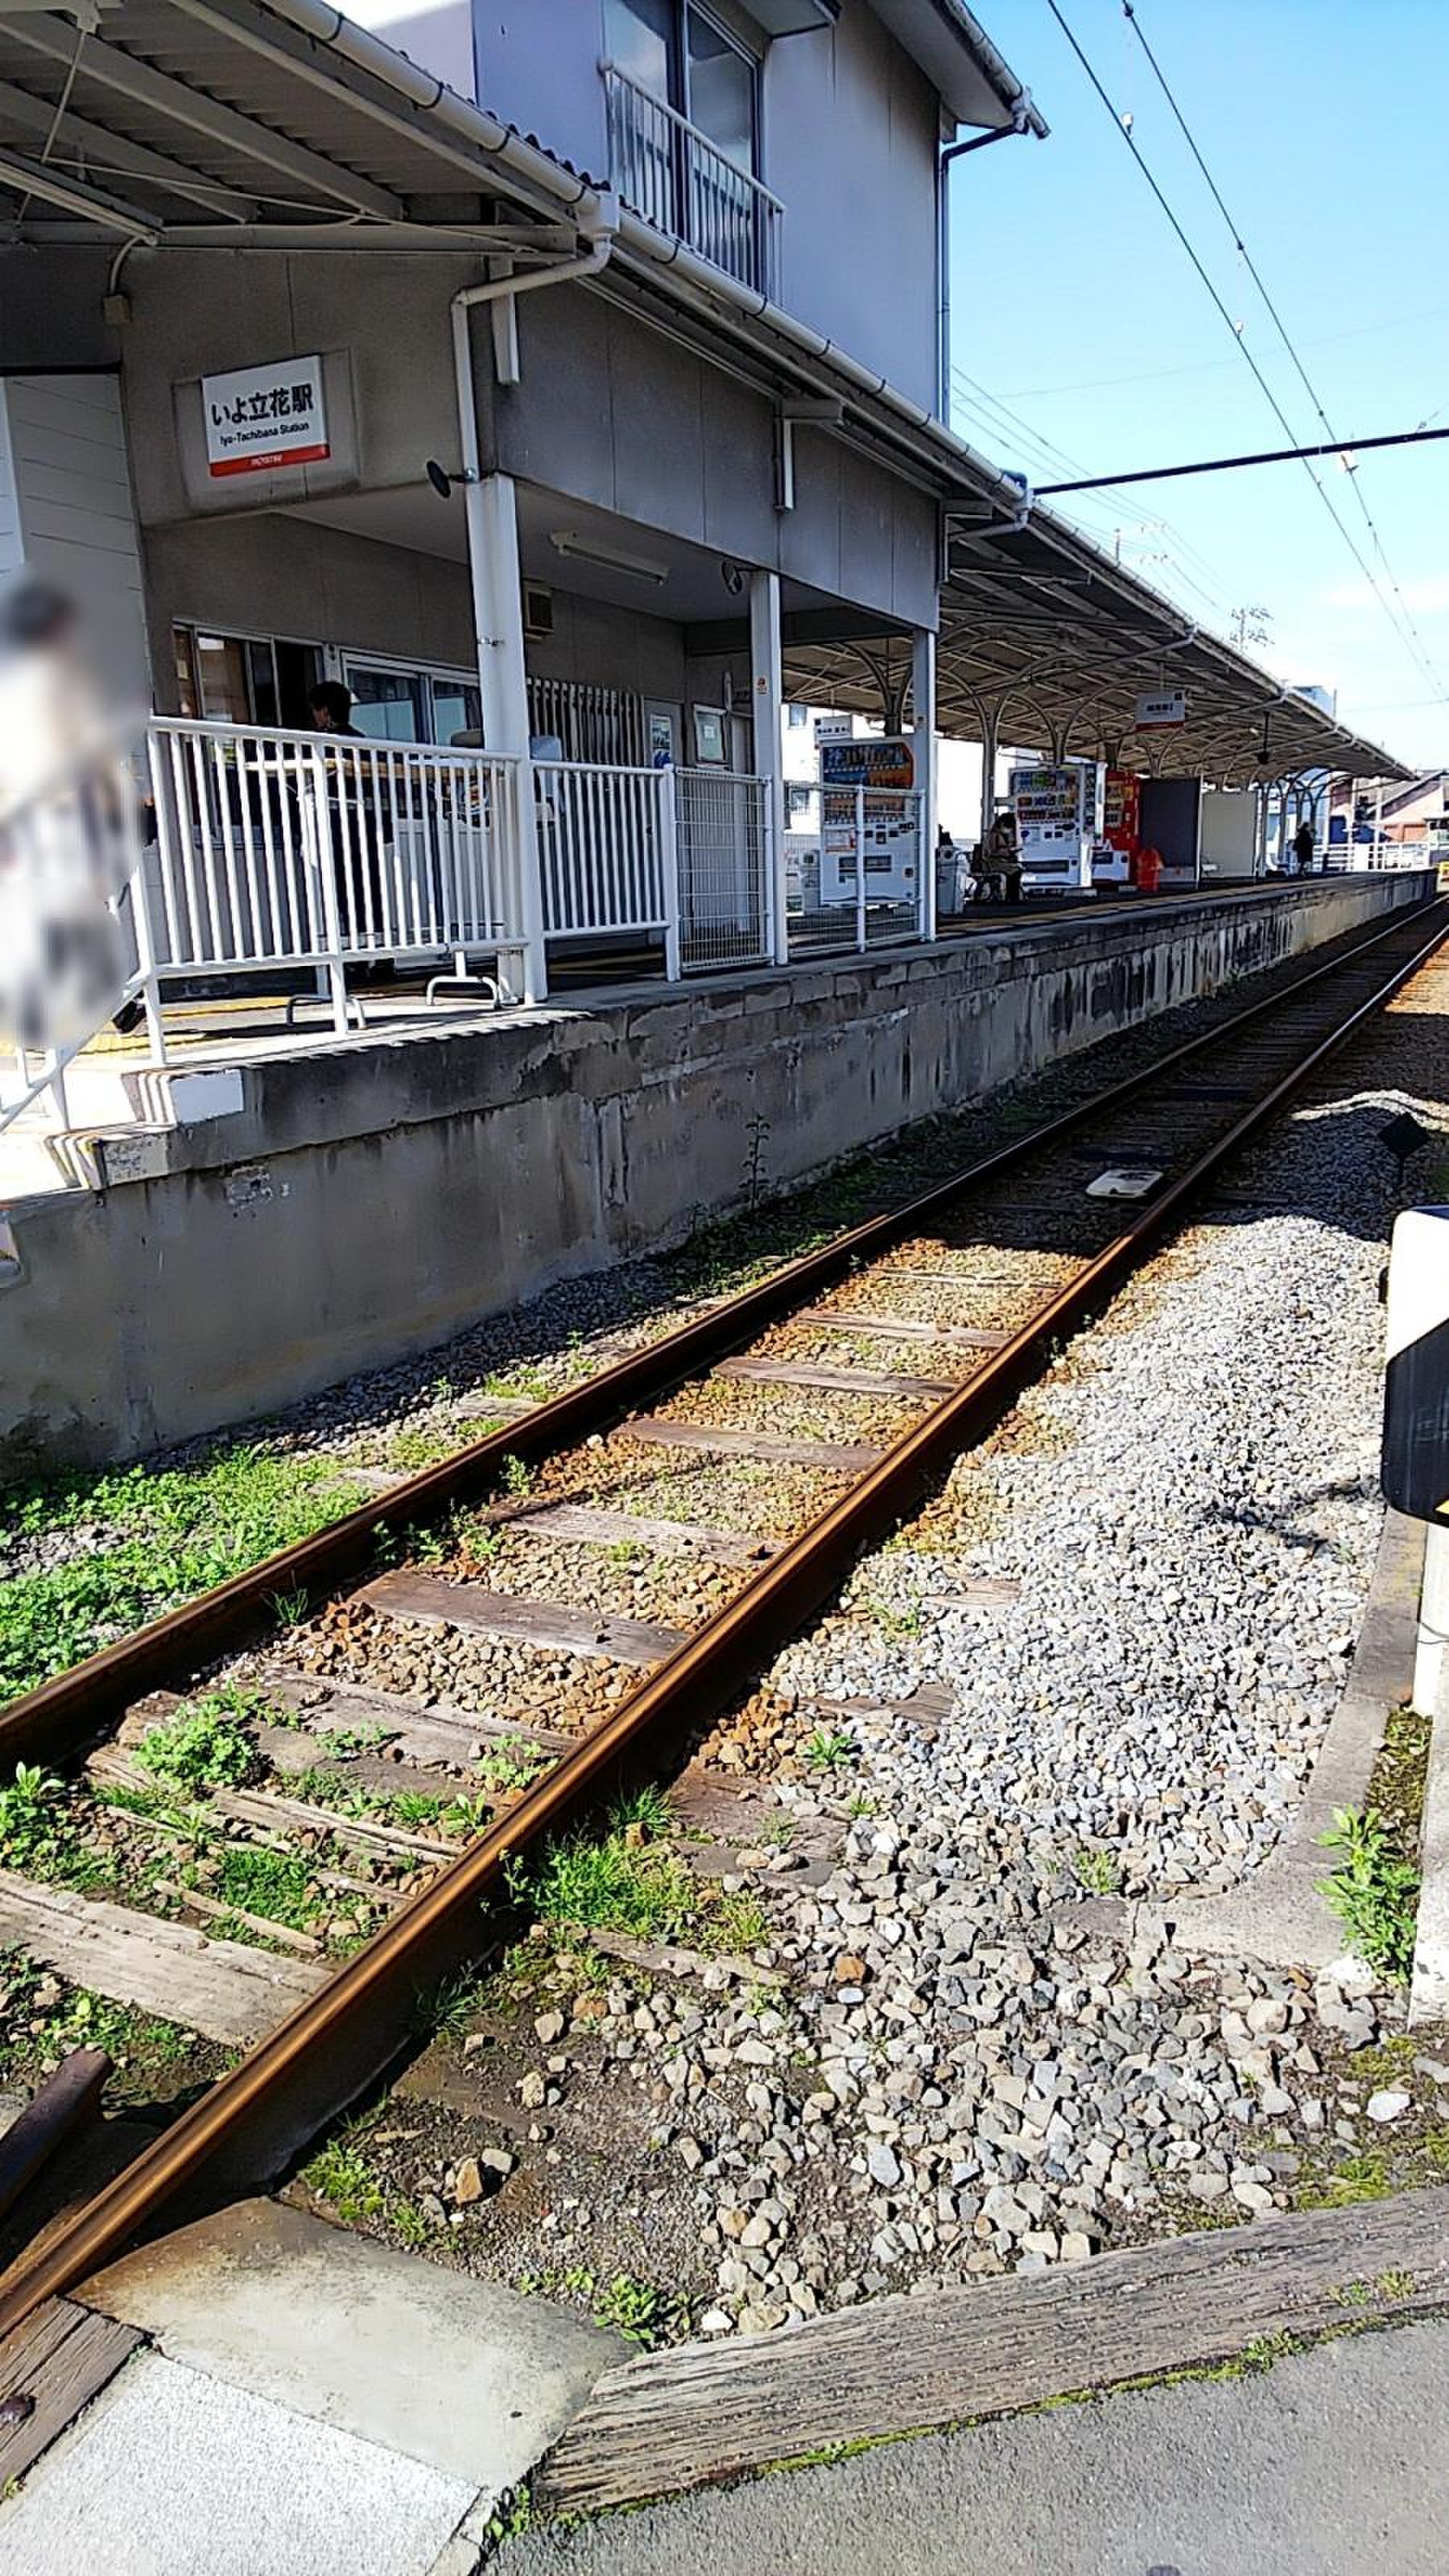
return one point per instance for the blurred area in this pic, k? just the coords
(73, 820)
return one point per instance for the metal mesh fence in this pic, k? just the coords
(723, 840)
(834, 903)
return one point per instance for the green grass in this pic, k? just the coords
(1374, 1891)
(207, 1744)
(510, 1766)
(341, 2174)
(828, 1749)
(80, 2019)
(421, 1446)
(276, 1885)
(38, 1834)
(634, 2309)
(739, 1923)
(1098, 1871)
(415, 1810)
(171, 1534)
(610, 1886)
(625, 1880)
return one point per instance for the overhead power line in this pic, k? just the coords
(1280, 326)
(1124, 129)
(1345, 447)
(996, 420)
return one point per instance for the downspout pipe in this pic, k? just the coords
(1024, 120)
(491, 527)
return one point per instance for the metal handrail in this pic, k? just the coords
(672, 175)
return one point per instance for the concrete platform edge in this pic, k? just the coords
(1429, 1983)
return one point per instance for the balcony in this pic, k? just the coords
(678, 181)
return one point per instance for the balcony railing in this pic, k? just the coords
(682, 184)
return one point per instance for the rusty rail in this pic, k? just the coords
(51, 1720)
(317, 2060)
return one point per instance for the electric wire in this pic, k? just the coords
(1130, 14)
(1248, 358)
(974, 399)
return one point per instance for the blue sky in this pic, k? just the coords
(1324, 124)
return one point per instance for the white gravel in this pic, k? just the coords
(954, 2076)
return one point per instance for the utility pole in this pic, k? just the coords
(1252, 624)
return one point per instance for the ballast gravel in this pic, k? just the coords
(945, 2070)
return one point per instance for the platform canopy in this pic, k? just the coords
(1045, 641)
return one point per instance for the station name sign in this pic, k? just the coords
(259, 419)
(1162, 707)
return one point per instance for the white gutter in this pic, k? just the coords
(484, 133)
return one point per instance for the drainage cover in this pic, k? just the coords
(1129, 1181)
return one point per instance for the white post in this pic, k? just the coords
(54, 1063)
(767, 690)
(141, 913)
(923, 745)
(667, 788)
(319, 822)
(860, 869)
(1431, 1655)
(491, 511)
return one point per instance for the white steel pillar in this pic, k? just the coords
(988, 774)
(923, 746)
(492, 516)
(767, 690)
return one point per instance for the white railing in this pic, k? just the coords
(682, 184)
(722, 829)
(680, 855)
(304, 849)
(857, 869)
(1341, 857)
(606, 852)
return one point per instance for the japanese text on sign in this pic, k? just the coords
(261, 418)
(1162, 707)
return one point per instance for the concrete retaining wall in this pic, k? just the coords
(367, 1200)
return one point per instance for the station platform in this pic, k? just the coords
(115, 1075)
(278, 1208)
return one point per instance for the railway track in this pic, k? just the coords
(362, 1734)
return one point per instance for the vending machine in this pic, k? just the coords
(1121, 828)
(1058, 823)
(867, 796)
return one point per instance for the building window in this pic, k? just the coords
(797, 801)
(798, 715)
(686, 59)
(722, 82)
(393, 703)
(246, 679)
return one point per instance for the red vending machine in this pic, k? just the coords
(1112, 865)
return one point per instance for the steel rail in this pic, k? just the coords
(347, 2034)
(49, 1722)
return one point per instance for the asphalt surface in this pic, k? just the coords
(1331, 2463)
